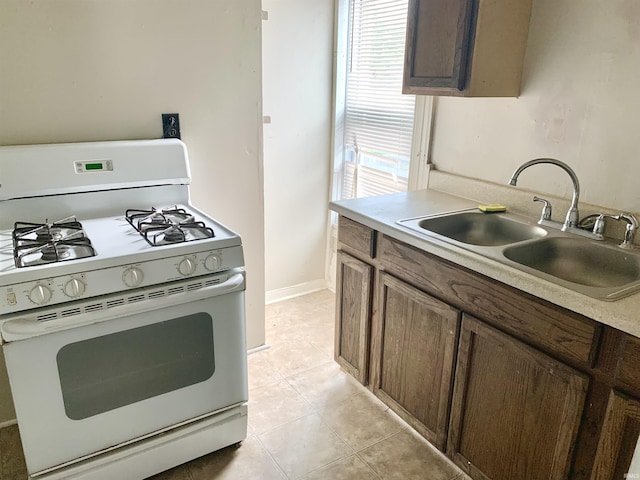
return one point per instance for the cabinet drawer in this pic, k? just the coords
(356, 237)
(547, 326)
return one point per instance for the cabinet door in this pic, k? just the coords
(469, 48)
(515, 412)
(618, 438)
(353, 316)
(437, 46)
(414, 347)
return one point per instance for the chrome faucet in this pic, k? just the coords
(573, 217)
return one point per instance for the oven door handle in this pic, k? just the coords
(21, 328)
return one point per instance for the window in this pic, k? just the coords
(378, 119)
(381, 137)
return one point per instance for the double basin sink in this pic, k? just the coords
(598, 269)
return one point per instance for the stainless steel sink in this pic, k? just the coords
(599, 269)
(477, 228)
(608, 271)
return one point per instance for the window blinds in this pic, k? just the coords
(378, 118)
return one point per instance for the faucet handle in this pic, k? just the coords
(630, 230)
(598, 225)
(546, 209)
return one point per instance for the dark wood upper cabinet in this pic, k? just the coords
(438, 43)
(466, 47)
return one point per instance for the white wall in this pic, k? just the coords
(579, 104)
(634, 468)
(297, 66)
(78, 70)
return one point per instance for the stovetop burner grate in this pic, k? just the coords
(167, 226)
(43, 243)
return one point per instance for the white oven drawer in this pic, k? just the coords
(127, 371)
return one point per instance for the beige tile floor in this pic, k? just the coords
(307, 418)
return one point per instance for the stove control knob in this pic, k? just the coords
(212, 262)
(74, 288)
(187, 266)
(40, 294)
(132, 277)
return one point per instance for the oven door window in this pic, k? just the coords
(104, 373)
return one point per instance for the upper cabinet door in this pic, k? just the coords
(437, 45)
(470, 48)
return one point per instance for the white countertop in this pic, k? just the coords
(382, 212)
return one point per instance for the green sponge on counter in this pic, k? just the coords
(492, 208)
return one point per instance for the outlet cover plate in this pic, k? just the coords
(170, 125)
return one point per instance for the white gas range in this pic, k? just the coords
(121, 310)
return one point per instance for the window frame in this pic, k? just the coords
(419, 164)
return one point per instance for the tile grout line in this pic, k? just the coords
(386, 437)
(317, 409)
(274, 427)
(354, 454)
(271, 458)
(300, 371)
(268, 383)
(369, 466)
(352, 450)
(271, 429)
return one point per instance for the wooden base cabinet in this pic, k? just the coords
(515, 411)
(414, 344)
(509, 386)
(353, 314)
(618, 439)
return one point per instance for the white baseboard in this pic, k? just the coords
(258, 349)
(280, 294)
(8, 423)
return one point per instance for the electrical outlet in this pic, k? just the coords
(170, 125)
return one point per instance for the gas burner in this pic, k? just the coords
(39, 244)
(49, 235)
(155, 218)
(47, 232)
(139, 218)
(174, 234)
(167, 226)
(52, 252)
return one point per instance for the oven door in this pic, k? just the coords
(126, 372)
